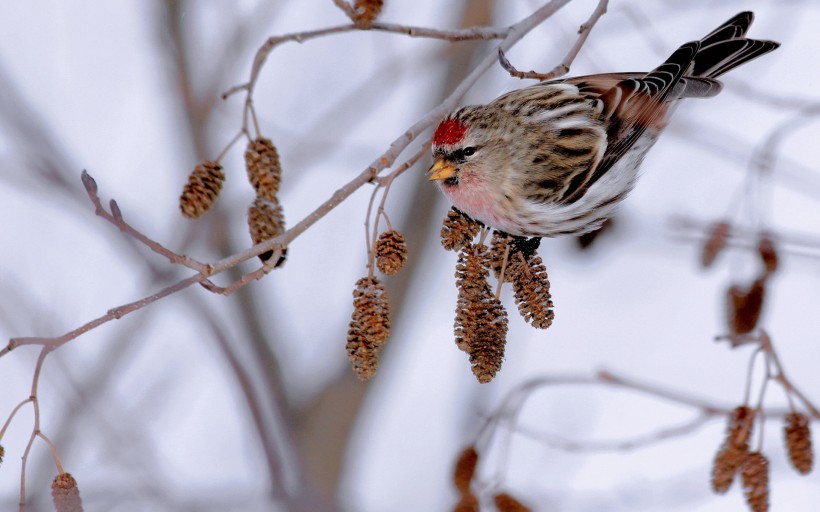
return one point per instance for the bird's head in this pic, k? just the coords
(462, 146)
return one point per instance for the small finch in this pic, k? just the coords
(557, 158)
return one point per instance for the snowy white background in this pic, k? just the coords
(145, 410)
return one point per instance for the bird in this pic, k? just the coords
(558, 157)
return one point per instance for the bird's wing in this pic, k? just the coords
(630, 104)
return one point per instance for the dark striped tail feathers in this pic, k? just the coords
(726, 48)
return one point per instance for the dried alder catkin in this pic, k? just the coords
(734, 450)
(718, 236)
(798, 442)
(366, 11)
(202, 189)
(465, 469)
(531, 288)
(391, 252)
(481, 320)
(266, 221)
(504, 502)
(264, 168)
(467, 503)
(458, 230)
(745, 306)
(369, 326)
(768, 254)
(2, 453)
(66, 494)
(755, 476)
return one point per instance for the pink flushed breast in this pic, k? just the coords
(472, 198)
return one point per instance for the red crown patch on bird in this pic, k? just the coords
(450, 131)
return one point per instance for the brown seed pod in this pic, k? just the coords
(531, 288)
(266, 221)
(768, 254)
(798, 442)
(369, 326)
(465, 469)
(202, 189)
(391, 252)
(504, 502)
(745, 306)
(715, 244)
(66, 494)
(467, 503)
(755, 476)
(264, 168)
(728, 461)
(2, 453)
(366, 11)
(735, 449)
(481, 320)
(458, 230)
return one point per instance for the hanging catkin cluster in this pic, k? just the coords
(266, 219)
(391, 252)
(369, 326)
(735, 449)
(66, 494)
(202, 189)
(481, 320)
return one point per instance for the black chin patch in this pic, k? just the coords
(451, 181)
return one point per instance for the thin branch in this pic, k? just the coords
(562, 68)
(622, 445)
(466, 34)
(112, 314)
(115, 218)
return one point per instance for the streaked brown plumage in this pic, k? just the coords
(558, 157)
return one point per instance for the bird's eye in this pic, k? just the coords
(469, 151)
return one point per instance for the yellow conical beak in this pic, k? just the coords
(441, 170)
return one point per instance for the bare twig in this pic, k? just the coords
(562, 68)
(115, 218)
(466, 34)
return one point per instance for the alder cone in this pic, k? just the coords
(755, 475)
(504, 502)
(65, 494)
(391, 252)
(745, 306)
(202, 189)
(481, 320)
(264, 168)
(366, 11)
(266, 221)
(369, 326)
(715, 244)
(465, 469)
(458, 230)
(798, 442)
